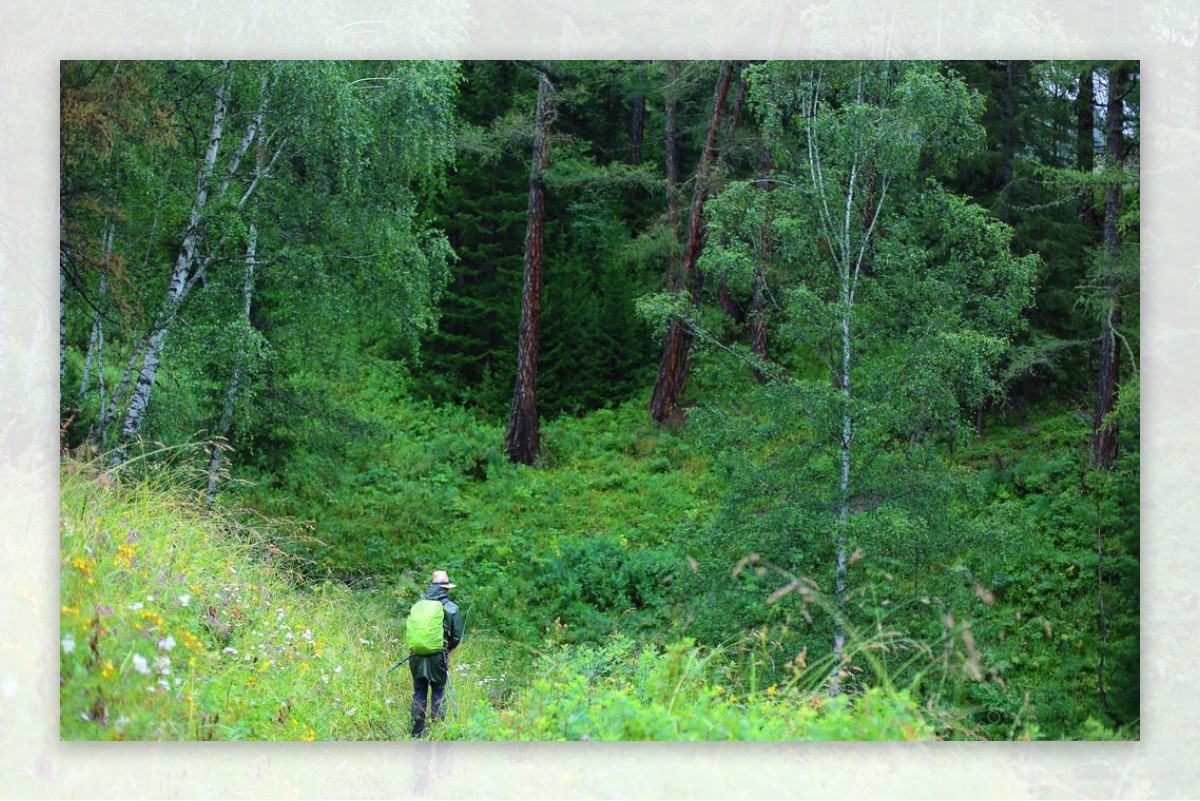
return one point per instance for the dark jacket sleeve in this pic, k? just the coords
(454, 626)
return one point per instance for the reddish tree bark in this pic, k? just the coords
(522, 440)
(673, 368)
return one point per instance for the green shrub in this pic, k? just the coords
(619, 690)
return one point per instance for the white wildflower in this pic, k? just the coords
(68, 644)
(136, 605)
(166, 643)
(141, 665)
(337, 669)
(184, 600)
(325, 677)
(229, 649)
(162, 665)
(351, 710)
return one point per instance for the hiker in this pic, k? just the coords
(431, 670)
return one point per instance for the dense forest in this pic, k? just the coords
(741, 400)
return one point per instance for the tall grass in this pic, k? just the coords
(182, 623)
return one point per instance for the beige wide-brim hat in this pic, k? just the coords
(441, 579)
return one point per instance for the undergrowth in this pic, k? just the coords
(181, 623)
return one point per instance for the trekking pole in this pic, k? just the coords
(450, 692)
(398, 664)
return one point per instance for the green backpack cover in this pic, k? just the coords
(424, 627)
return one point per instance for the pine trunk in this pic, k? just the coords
(522, 438)
(673, 367)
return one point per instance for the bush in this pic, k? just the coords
(619, 690)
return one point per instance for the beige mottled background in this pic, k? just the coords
(36, 34)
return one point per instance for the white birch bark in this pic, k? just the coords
(96, 340)
(178, 286)
(848, 256)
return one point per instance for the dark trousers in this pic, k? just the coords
(421, 687)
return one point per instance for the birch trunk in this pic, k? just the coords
(673, 367)
(179, 284)
(522, 438)
(98, 435)
(96, 340)
(839, 637)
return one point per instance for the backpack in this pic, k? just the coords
(423, 630)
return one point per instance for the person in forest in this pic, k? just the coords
(431, 670)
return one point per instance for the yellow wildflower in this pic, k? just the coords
(109, 670)
(124, 556)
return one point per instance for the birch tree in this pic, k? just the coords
(189, 265)
(906, 295)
